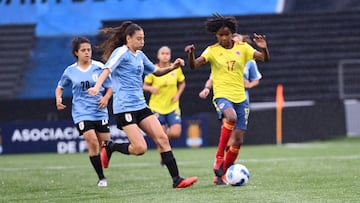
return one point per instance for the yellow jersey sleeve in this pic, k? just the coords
(149, 78)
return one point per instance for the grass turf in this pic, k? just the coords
(326, 171)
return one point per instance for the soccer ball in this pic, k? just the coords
(237, 175)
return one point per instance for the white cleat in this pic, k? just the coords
(102, 183)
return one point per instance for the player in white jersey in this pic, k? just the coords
(89, 113)
(127, 65)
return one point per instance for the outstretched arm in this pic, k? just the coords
(194, 63)
(95, 90)
(260, 41)
(162, 71)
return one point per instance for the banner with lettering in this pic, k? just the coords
(62, 136)
(75, 17)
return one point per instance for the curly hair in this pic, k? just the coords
(75, 44)
(116, 37)
(217, 22)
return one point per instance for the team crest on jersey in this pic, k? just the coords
(221, 105)
(237, 52)
(81, 125)
(128, 117)
(95, 77)
(104, 122)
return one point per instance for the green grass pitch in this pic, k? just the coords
(327, 171)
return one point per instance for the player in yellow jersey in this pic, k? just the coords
(165, 94)
(227, 60)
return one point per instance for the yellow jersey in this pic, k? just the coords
(168, 86)
(227, 69)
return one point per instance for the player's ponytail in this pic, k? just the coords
(116, 37)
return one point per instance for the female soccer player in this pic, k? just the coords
(252, 74)
(165, 94)
(89, 113)
(127, 64)
(227, 60)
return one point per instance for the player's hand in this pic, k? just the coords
(59, 105)
(190, 48)
(247, 84)
(103, 102)
(204, 93)
(260, 41)
(175, 98)
(93, 91)
(154, 90)
(179, 62)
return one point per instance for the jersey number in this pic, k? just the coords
(230, 65)
(85, 85)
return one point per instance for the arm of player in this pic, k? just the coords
(181, 87)
(162, 71)
(95, 90)
(104, 100)
(149, 88)
(58, 95)
(260, 41)
(205, 92)
(194, 63)
(251, 84)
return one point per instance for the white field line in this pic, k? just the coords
(206, 162)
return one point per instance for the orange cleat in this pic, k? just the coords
(218, 165)
(105, 153)
(219, 180)
(185, 182)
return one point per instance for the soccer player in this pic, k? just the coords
(127, 64)
(165, 94)
(89, 113)
(227, 60)
(252, 74)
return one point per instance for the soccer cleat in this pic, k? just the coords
(219, 180)
(105, 153)
(102, 183)
(185, 182)
(218, 165)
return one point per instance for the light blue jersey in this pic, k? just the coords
(251, 72)
(84, 106)
(127, 70)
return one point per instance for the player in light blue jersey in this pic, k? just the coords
(89, 113)
(127, 65)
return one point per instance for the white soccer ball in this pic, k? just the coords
(237, 175)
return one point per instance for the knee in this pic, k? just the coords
(231, 118)
(238, 142)
(174, 135)
(139, 150)
(93, 144)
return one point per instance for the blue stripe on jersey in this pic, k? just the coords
(84, 106)
(127, 70)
